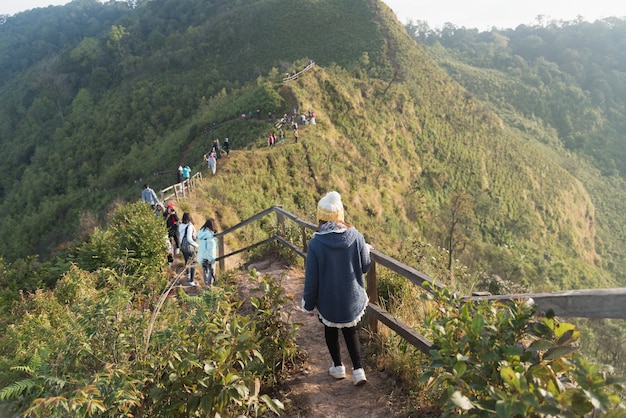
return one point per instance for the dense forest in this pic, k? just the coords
(497, 155)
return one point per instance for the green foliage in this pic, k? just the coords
(133, 244)
(497, 359)
(391, 286)
(97, 345)
(26, 276)
(277, 331)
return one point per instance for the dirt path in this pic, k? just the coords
(312, 392)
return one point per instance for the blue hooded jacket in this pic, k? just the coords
(333, 279)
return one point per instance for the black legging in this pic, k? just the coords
(352, 342)
(190, 265)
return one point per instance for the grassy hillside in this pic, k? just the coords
(558, 84)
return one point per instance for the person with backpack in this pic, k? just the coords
(207, 251)
(188, 246)
(171, 222)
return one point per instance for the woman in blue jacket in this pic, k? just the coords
(207, 251)
(337, 257)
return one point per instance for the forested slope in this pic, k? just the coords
(562, 84)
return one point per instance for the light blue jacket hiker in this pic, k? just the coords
(207, 249)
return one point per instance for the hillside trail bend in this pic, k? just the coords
(310, 390)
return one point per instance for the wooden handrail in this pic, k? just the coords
(181, 189)
(583, 303)
(593, 303)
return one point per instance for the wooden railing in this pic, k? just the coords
(590, 303)
(296, 75)
(182, 189)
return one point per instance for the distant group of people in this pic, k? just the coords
(197, 247)
(290, 120)
(272, 139)
(215, 154)
(271, 115)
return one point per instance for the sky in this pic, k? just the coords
(485, 14)
(480, 14)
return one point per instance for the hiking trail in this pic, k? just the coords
(310, 391)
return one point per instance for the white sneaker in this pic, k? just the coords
(177, 251)
(192, 284)
(338, 372)
(358, 377)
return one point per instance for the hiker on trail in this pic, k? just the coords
(188, 246)
(148, 196)
(180, 173)
(171, 222)
(216, 148)
(281, 135)
(186, 172)
(312, 118)
(295, 136)
(159, 209)
(337, 258)
(170, 251)
(226, 147)
(212, 161)
(207, 251)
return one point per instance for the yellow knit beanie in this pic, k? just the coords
(330, 208)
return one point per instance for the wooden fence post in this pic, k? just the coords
(305, 243)
(372, 294)
(280, 219)
(220, 253)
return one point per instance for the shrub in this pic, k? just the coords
(100, 344)
(497, 358)
(134, 246)
(277, 334)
